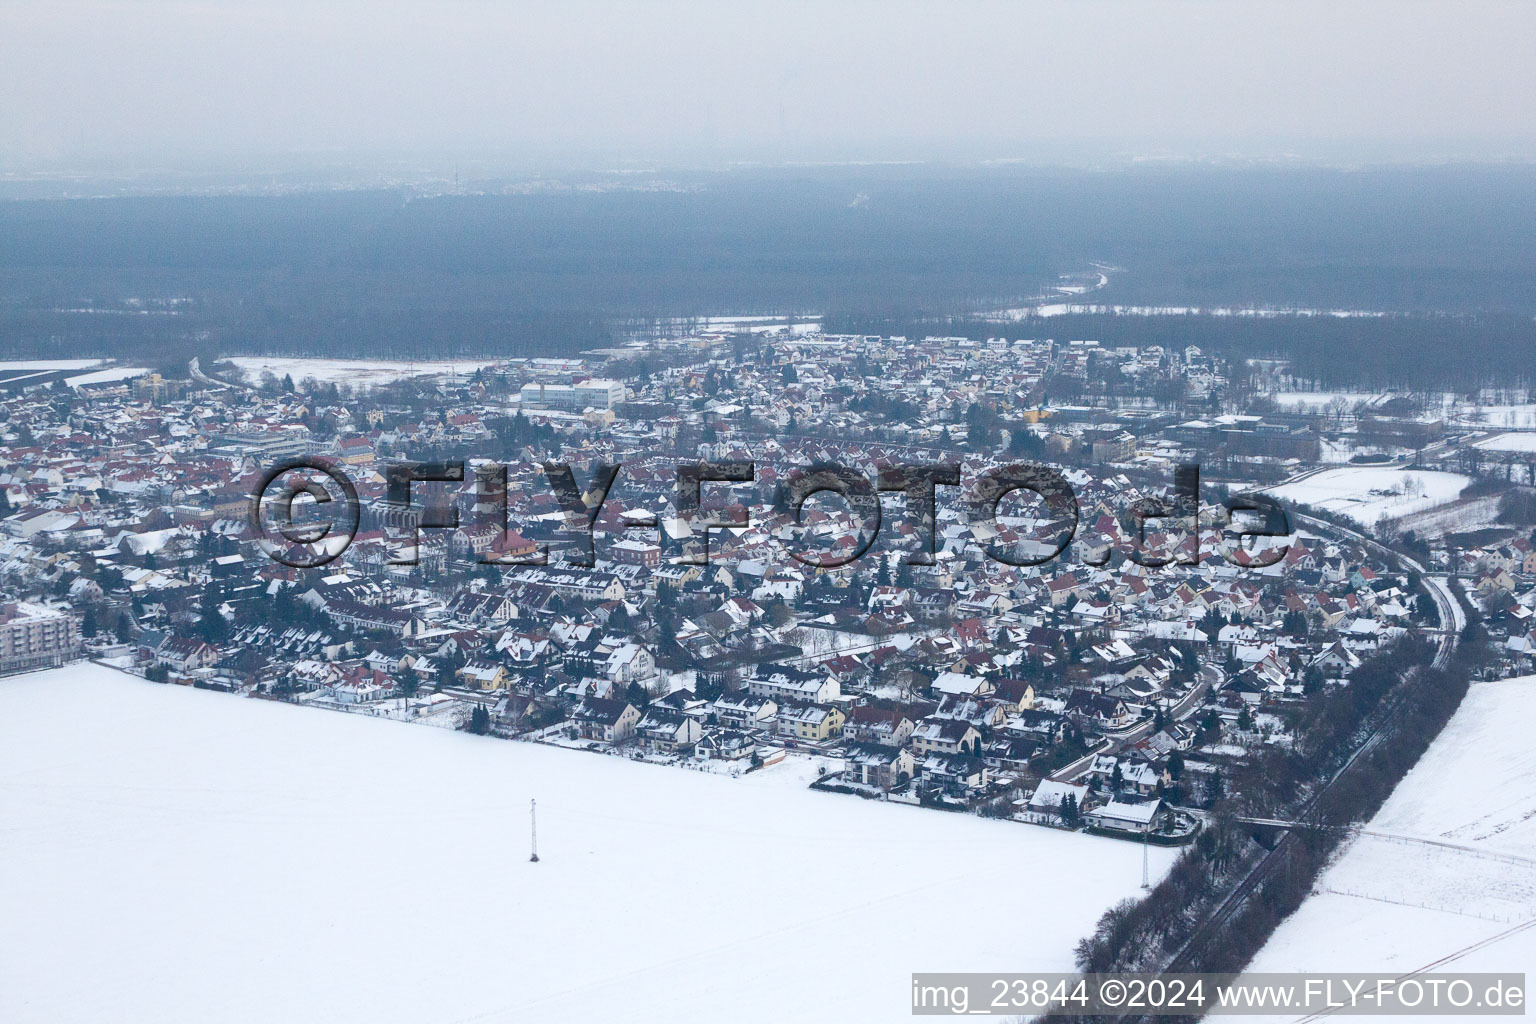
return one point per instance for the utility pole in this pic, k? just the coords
(1146, 878)
(533, 821)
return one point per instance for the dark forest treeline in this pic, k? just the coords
(167, 340)
(357, 273)
(929, 238)
(1401, 350)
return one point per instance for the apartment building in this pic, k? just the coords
(32, 636)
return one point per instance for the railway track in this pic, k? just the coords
(1211, 927)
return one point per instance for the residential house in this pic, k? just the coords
(881, 726)
(1097, 710)
(602, 718)
(484, 674)
(878, 765)
(184, 654)
(724, 745)
(668, 730)
(944, 736)
(811, 723)
(1120, 816)
(955, 775)
(745, 711)
(784, 684)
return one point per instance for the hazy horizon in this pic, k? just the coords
(280, 87)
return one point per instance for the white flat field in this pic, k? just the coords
(47, 364)
(115, 373)
(1319, 401)
(356, 372)
(1367, 494)
(169, 854)
(1444, 875)
(1513, 442)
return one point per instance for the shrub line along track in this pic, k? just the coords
(1450, 612)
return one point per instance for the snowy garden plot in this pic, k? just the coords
(171, 854)
(1390, 903)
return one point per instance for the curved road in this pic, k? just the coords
(1449, 608)
(1210, 676)
(197, 374)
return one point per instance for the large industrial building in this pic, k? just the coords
(588, 394)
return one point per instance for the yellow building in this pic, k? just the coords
(812, 723)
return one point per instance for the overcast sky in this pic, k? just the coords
(164, 84)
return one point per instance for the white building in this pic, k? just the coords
(589, 394)
(788, 684)
(1125, 817)
(32, 636)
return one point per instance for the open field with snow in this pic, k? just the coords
(1368, 494)
(107, 376)
(365, 373)
(1522, 442)
(1320, 401)
(1492, 416)
(24, 369)
(1393, 902)
(47, 364)
(169, 854)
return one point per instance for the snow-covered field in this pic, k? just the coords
(1320, 401)
(169, 854)
(1492, 415)
(1262, 313)
(15, 369)
(1509, 443)
(1367, 494)
(356, 372)
(1391, 903)
(47, 364)
(1335, 453)
(114, 373)
(764, 324)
